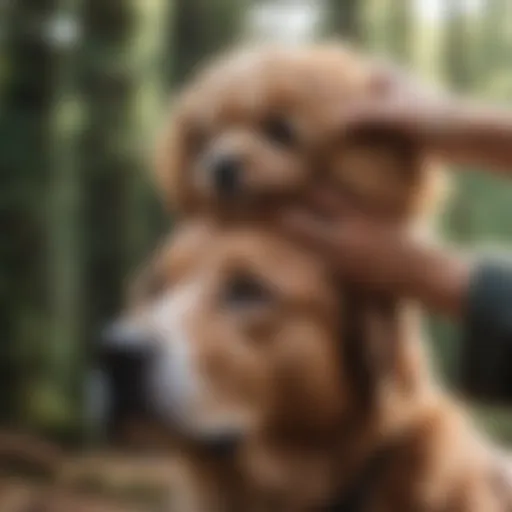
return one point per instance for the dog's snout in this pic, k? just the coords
(227, 175)
(125, 356)
(124, 337)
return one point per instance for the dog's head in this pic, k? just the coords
(234, 332)
(262, 124)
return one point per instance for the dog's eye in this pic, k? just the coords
(280, 131)
(244, 291)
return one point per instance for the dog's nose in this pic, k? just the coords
(125, 356)
(226, 175)
(123, 350)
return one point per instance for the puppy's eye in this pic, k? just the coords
(280, 131)
(243, 291)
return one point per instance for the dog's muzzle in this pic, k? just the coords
(226, 176)
(117, 386)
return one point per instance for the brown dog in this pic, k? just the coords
(246, 350)
(260, 127)
(320, 405)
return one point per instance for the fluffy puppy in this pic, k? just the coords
(244, 348)
(259, 126)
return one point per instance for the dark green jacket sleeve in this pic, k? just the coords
(486, 371)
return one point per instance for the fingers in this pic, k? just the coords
(397, 101)
(398, 113)
(386, 78)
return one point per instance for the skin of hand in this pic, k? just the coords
(378, 255)
(456, 130)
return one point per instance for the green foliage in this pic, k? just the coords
(344, 18)
(202, 28)
(495, 420)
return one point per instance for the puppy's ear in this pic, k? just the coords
(171, 166)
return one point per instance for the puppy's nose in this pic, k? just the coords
(222, 445)
(125, 356)
(226, 175)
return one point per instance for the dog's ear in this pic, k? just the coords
(168, 164)
(171, 166)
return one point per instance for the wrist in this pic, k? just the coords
(447, 127)
(386, 259)
(438, 278)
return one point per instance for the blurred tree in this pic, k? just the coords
(493, 48)
(344, 18)
(374, 25)
(120, 85)
(28, 102)
(144, 217)
(456, 40)
(458, 73)
(201, 28)
(53, 401)
(400, 29)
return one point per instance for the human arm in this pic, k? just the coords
(477, 293)
(457, 130)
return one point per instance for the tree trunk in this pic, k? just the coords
(28, 103)
(202, 28)
(65, 247)
(144, 220)
(123, 88)
(344, 18)
(400, 30)
(456, 43)
(494, 51)
(107, 154)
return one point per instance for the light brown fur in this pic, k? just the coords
(286, 368)
(331, 383)
(226, 111)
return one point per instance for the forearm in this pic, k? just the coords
(439, 279)
(473, 135)
(389, 261)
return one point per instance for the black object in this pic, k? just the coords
(226, 176)
(125, 359)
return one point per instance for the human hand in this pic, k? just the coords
(379, 255)
(401, 104)
(360, 248)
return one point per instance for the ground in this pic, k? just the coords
(38, 477)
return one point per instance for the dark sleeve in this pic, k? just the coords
(486, 351)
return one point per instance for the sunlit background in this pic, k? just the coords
(84, 85)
